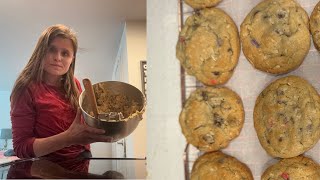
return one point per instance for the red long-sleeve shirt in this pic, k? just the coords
(42, 111)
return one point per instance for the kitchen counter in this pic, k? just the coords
(85, 168)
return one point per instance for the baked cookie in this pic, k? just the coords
(315, 26)
(217, 165)
(211, 118)
(199, 4)
(299, 167)
(287, 117)
(275, 36)
(208, 46)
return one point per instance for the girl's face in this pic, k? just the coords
(58, 58)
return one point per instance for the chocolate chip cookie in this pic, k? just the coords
(275, 36)
(211, 118)
(287, 117)
(299, 167)
(217, 165)
(199, 4)
(315, 26)
(208, 46)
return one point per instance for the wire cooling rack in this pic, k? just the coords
(188, 84)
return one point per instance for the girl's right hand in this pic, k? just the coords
(80, 133)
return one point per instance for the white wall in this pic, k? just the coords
(165, 142)
(120, 69)
(22, 22)
(137, 51)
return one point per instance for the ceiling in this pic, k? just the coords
(98, 23)
(129, 9)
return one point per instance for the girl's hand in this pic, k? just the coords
(79, 133)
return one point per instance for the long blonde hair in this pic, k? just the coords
(33, 72)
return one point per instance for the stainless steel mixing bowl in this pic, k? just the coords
(115, 129)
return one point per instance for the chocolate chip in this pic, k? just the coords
(208, 138)
(198, 127)
(217, 120)
(292, 120)
(255, 43)
(282, 102)
(216, 73)
(287, 34)
(268, 141)
(230, 51)
(281, 15)
(277, 31)
(280, 92)
(204, 96)
(197, 12)
(195, 25)
(280, 139)
(221, 160)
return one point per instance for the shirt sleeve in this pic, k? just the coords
(23, 116)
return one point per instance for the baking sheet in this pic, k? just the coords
(248, 83)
